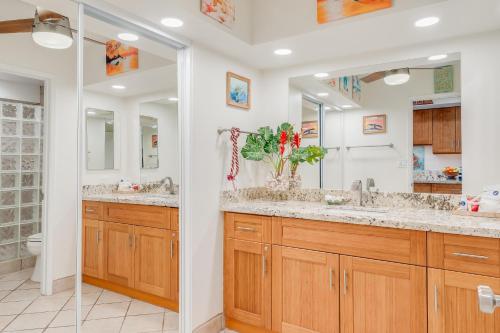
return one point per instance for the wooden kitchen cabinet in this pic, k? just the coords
(446, 130)
(119, 253)
(93, 255)
(422, 127)
(453, 305)
(378, 296)
(152, 263)
(247, 282)
(422, 188)
(305, 291)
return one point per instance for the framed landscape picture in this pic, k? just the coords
(238, 91)
(333, 10)
(120, 58)
(376, 124)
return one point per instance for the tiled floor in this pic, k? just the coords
(23, 309)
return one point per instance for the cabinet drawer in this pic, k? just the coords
(422, 188)
(92, 210)
(248, 227)
(397, 245)
(467, 254)
(447, 188)
(148, 216)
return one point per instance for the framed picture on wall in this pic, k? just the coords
(154, 141)
(238, 91)
(310, 129)
(376, 124)
(346, 86)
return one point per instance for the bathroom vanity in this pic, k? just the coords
(307, 267)
(131, 246)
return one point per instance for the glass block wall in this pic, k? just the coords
(21, 144)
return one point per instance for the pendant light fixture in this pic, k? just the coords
(53, 33)
(397, 77)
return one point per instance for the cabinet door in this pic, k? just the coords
(174, 264)
(422, 127)
(118, 253)
(247, 282)
(152, 263)
(305, 291)
(382, 297)
(93, 255)
(447, 188)
(444, 139)
(422, 188)
(453, 306)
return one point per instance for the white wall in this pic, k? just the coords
(479, 71)
(210, 164)
(20, 91)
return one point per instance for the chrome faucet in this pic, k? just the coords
(370, 183)
(170, 188)
(357, 185)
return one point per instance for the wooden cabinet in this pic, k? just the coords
(379, 297)
(174, 263)
(152, 264)
(92, 239)
(119, 253)
(422, 127)
(422, 188)
(305, 291)
(446, 130)
(437, 188)
(453, 305)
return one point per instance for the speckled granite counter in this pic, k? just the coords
(414, 211)
(149, 199)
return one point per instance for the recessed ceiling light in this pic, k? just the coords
(173, 99)
(118, 87)
(283, 52)
(321, 75)
(437, 57)
(91, 113)
(347, 106)
(396, 77)
(322, 94)
(327, 108)
(128, 37)
(427, 21)
(172, 22)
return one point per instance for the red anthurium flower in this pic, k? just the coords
(282, 149)
(296, 140)
(283, 137)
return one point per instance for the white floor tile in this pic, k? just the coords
(68, 317)
(5, 320)
(4, 293)
(112, 297)
(18, 276)
(90, 289)
(139, 308)
(22, 295)
(171, 321)
(30, 285)
(87, 299)
(110, 310)
(31, 321)
(37, 330)
(47, 303)
(68, 293)
(13, 308)
(143, 323)
(67, 329)
(110, 325)
(10, 285)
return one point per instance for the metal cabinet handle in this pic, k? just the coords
(97, 236)
(436, 304)
(171, 248)
(249, 229)
(345, 282)
(130, 240)
(467, 255)
(89, 210)
(331, 278)
(264, 262)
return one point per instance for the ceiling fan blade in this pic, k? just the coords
(13, 26)
(373, 77)
(47, 15)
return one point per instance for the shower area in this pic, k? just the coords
(21, 170)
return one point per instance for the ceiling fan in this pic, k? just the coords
(393, 77)
(48, 29)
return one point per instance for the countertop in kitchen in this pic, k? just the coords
(149, 199)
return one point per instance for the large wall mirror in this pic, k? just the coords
(149, 142)
(395, 127)
(100, 132)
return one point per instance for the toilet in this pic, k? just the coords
(35, 248)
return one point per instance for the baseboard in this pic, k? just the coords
(214, 325)
(63, 284)
(16, 265)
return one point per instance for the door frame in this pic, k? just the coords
(113, 15)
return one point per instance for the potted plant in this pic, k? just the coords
(277, 149)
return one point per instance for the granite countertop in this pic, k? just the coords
(140, 198)
(435, 181)
(402, 218)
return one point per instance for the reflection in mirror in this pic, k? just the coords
(149, 142)
(396, 128)
(100, 139)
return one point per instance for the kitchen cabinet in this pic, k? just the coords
(132, 250)
(437, 188)
(305, 291)
(378, 296)
(446, 130)
(92, 240)
(247, 282)
(453, 305)
(422, 127)
(422, 188)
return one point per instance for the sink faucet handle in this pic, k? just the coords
(370, 182)
(356, 185)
